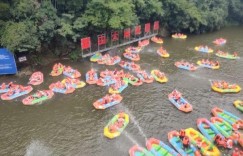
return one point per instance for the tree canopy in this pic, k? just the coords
(27, 25)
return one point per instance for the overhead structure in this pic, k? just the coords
(115, 39)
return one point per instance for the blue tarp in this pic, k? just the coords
(7, 62)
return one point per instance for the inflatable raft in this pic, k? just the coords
(133, 49)
(220, 41)
(129, 65)
(118, 88)
(38, 97)
(132, 56)
(215, 66)
(72, 73)
(134, 82)
(239, 105)
(122, 120)
(162, 52)
(203, 49)
(181, 103)
(143, 43)
(224, 127)
(176, 142)
(36, 78)
(186, 66)
(227, 55)
(197, 139)
(106, 73)
(106, 81)
(75, 83)
(107, 101)
(207, 129)
(63, 88)
(96, 57)
(227, 116)
(113, 60)
(179, 36)
(57, 69)
(4, 88)
(139, 151)
(144, 76)
(159, 76)
(158, 148)
(91, 77)
(217, 87)
(157, 40)
(14, 93)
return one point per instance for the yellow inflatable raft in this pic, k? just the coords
(121, 118)
(207, 66)
(161, 80)
(206, 147)
(229, 90)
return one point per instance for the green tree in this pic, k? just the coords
(109, 14)
(235, 10)
(214, 12)
(20, 36)
(181, 15)
(148, 9)
(70, 6)
(47, 21)
(24, 9)
(4, 15)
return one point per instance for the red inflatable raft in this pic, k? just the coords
(36, 78)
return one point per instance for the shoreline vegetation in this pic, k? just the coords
(54, 28)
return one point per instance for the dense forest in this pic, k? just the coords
(31, 25)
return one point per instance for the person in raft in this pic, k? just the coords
(176, 95)
(185, 139)
(106, 100)
(235, 54)
(224, 142)
(237, 152)
(133, 65)
(117, 124)
(186, 142)
(182, 134)
(3, 86)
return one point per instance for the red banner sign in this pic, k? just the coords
(114, 36)
(156, 25)
(138, 30)
(127, 33)
(147, 28)
(85, 43)
(101, 39)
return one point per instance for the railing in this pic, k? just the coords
(129, 36)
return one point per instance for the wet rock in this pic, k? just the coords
(26, 71)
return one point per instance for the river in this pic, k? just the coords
(69, 125)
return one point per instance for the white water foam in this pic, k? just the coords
(37, 148)
(132, 118)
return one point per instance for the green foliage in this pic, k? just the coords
(4, 10)
(181, 15)
(110, 14)
(20, 36)
(214, 12)
(236, 10)
(26, 25)
(70, 6)
(66, 28)
(47, 21)
(74, 55)
(148, 9)
(23, 9)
